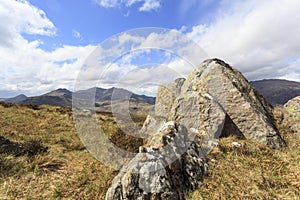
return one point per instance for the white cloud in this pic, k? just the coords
(147, 5)
(140, 62)
(18, 17)
(261, 38)
(252, 35)
(35, 71)
(140, 79)
(258, 37)
(108, 3)
(24, 66)
(150, 5)
(292, 71)
(76, 34)
(38, 71)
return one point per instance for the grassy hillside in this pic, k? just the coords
(253, 171)
(68, 171)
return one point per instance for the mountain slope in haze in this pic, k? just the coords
(63, 97)
(102, 95)
(15, 99)
(59, 97)
(277, 91)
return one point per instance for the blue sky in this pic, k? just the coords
(44, 43)
(87, 22)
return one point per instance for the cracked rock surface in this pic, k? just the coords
(215, 100)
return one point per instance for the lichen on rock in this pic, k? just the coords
(161, 173)
(190, 115)
(292, 115)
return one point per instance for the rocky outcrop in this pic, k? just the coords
(248, 113)
(166, 95)
(190, 115)
(292, 115)
(293, 107)
(247, 109)
(173, 165)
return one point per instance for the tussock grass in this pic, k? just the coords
(253, 171)
(68, 171)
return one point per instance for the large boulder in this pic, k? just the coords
(165, 170)
(247, 113)
(293, 107)
(190, 115)
(292, 115)
(192, 107)
(166, 95)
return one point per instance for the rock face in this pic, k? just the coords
(247, 113)
(165, 170)
(292, 115)
(166, 95)
(245, 107)
(190, 115)
(293, 106)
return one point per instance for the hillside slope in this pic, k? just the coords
(68, 171)
(103, 97)
(59, 97)
(277, 91)
(15, 99)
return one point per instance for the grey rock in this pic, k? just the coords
(164, 172)
(293, 107)
(202, 117)
(212, 84)
(189, 103)
(190, 115)
(292, 115)
(251, 115)
(166, 95)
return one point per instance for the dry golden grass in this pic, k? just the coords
(68, 171)
(253, 171)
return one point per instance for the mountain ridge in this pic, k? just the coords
(277, 91)
(63, 97)
(16, 99)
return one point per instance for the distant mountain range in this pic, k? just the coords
(103, 97)
(59, 97)
(277, 91)
(15, 99)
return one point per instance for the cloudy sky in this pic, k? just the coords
(45, 43)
